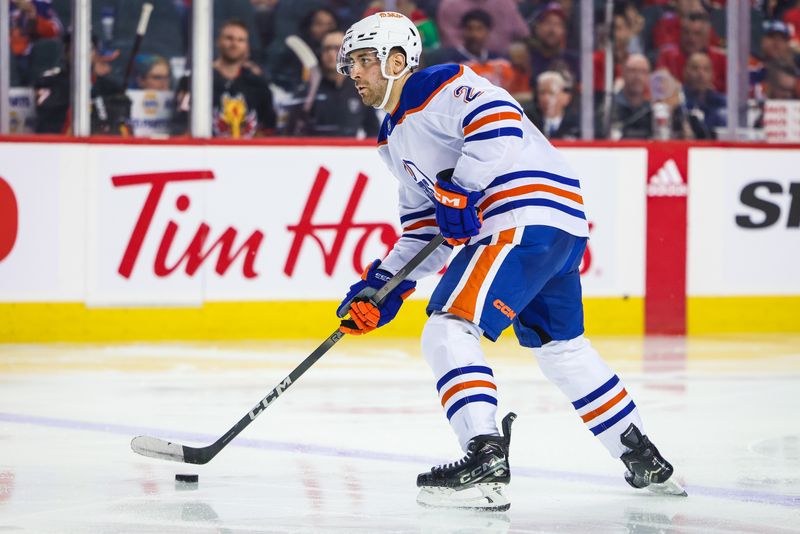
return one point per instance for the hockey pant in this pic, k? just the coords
(527, 277)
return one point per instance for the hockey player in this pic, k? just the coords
(471, 166)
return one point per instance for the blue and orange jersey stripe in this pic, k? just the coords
(526, 189)
(488, 119)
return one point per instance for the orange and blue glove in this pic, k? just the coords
(365, 314)
(456, 213)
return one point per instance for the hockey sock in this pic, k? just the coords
(597, 394)
(465, 382)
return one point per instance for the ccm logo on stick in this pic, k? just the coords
(8, 219)
(767, 198)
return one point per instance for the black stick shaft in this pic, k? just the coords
(203, 455)
(144, 19)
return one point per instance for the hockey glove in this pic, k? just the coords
(456, 214)
(365, 315)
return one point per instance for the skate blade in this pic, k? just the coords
(670, 487)
(480, 497)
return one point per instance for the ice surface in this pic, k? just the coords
(340, 451)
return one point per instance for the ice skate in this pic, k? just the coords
(646, 467)
(475, 482)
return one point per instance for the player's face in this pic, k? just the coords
(365, 71)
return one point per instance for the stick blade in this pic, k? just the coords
(157, 448)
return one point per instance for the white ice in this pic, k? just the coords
(340, 450)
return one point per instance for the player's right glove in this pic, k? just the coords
(456, 213)
(365, 315)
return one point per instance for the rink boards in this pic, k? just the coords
(190, 240)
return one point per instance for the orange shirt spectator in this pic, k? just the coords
(31, 20)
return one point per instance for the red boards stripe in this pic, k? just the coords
(665, 276)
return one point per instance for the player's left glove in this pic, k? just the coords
(365, 315)
(456, 213)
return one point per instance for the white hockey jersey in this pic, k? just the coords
(449, 117)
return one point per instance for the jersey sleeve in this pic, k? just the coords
(491, 126)
(417, 217)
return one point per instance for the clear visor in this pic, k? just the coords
(345, 60)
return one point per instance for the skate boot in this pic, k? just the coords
(476, 481)
(646, 467)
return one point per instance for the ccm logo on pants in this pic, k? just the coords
(505, 310)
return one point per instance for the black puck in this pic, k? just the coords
(187, 479)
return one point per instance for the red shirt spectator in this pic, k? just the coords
(667, 30)
(695, 37)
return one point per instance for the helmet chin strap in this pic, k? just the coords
(391, 82)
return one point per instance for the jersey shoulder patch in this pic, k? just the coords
(422, 86)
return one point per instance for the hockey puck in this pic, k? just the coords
(187, 479)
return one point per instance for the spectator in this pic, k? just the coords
(154, 73)
(509, 24)
(30, 20)
(110, 107)
(336, 109)
(287, 17)
(775, 48)
(776, 45)
(623, 32)
(264, 20)
(781, 82)
(553, 114)
(520, 58)
(666, 30)
(789, 12)
(694, 37)
(632, 114)
(547, 43)
(636, 23)
(476, 26)
(705, 106)
(672, 120)
(242, 99)
(425, 26)
(288, 72)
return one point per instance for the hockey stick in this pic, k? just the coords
(311, 64)
(144, 19)
(167, 450)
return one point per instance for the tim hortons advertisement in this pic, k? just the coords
(119, 225)
(744, 220)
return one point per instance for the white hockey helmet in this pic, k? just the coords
(381, 32)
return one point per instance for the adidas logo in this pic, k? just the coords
(667, 182)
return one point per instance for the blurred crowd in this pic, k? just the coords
(275, 73)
